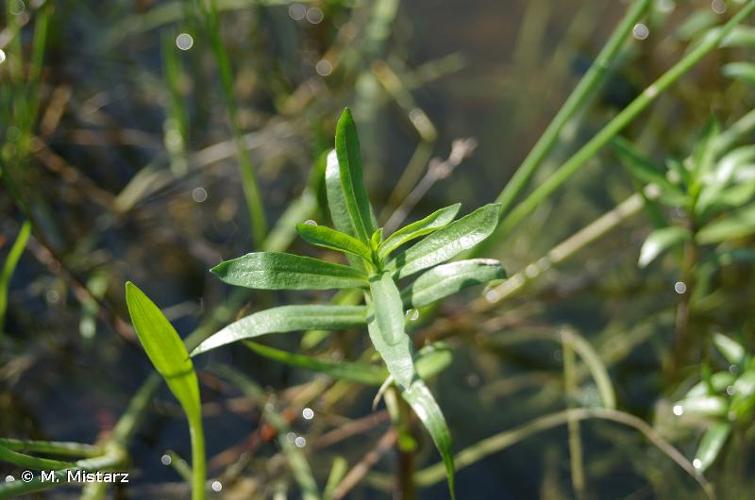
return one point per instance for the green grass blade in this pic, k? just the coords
(448, 242)
(283, 271)
(355, 372)
(31, 462)
(168, 354)
(433, 222)
(711, 444)
(11, 261)
(326, 237)
(426, 408)
(286, 319)
(661, 240)
(352, 185)
(448, 279)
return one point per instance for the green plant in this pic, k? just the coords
(168, 354)
(376, 264)
(721, 402)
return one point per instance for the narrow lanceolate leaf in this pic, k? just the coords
(447, 242)
(286, 319)
(283, 271)
(385, 324)
(661, 240)
(361, 373)
(429, 224)
(431, 360)
(711, 444)
(326, 237)
(167, 353)
(643, 168)
(352, 185)
(447, 279)
(737, 224)
(422, 402)
(731, 349)
(164, 348)
(388, 310)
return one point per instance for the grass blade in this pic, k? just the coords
(283, 271)
(286, 319)
(357, 203)
(433, 222)
(168, 354)
(11, 261)
(448, 242)
(447, 279)
(326, 237)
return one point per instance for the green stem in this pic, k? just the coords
(9, 267)
(584, 90)
(580, 158)
(198, 463)
(208, 10)
(62, 449)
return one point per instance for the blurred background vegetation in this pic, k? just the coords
(133, 134)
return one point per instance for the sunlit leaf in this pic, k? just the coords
(447, 279)
(719, 381)
(282, 271)
(168, 354)
(731, 350)
(740, 71)
(387, 307)
(711, 444)
(355, 197)
(286, 319)
(447, 242)
(335, 240)
(429, 224)
(703, 406)
(737, 224)
(426, 408)
(661, 240)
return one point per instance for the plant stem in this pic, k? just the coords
(198, 462)
(9, 267)
(584, 90)
(208, 10)
(576, 460)
(580, 158)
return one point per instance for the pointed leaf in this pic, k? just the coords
(641, 167)
(352, 185)
(447, 242)
(165, 349)
(286, 319)
(447, 279)
(661, 240)
(283, 271)
(431, 360)
(385, 324)
(703, 406)
(326, 237)
(422, 402)
(740, 71)
(356, 372)
(388, 308)
(731, 350)
(429, 224)
(719, 381)
(710, 446)
(738, 224)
